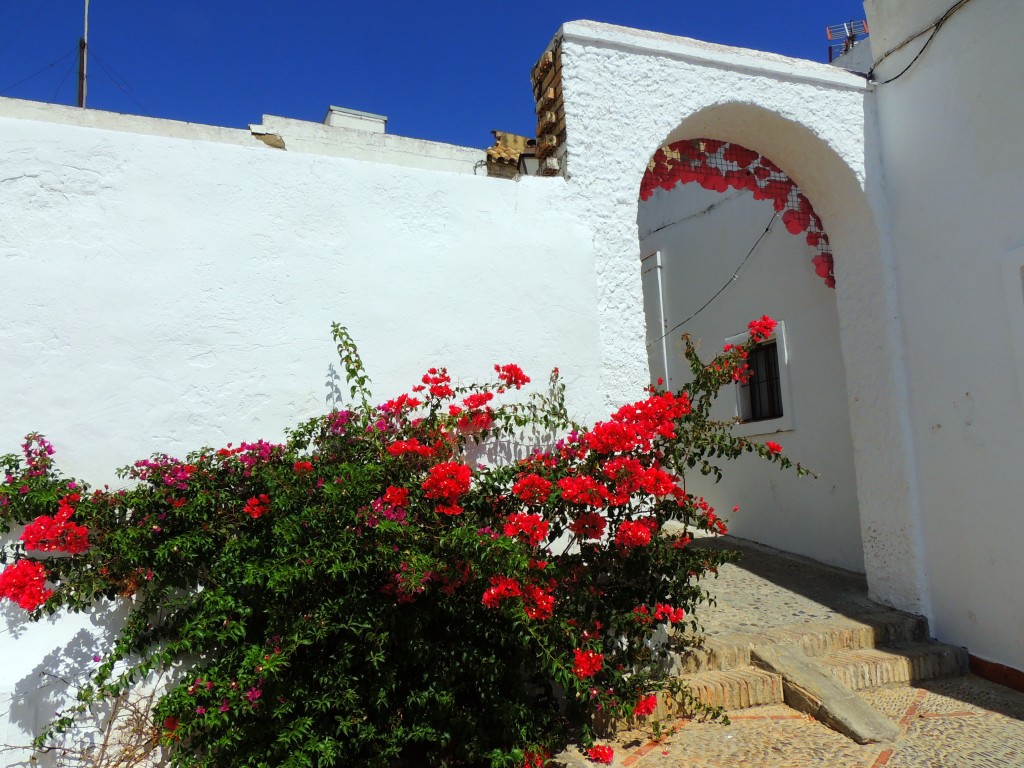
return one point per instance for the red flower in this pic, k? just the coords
(56, 534)
(24, 582)
(397, 497)
(538, 602)
(761, 329)
(257, 506)
(589, 525)
(668, 613)
(400, 447)
(532, 528)
(400, 404)
(438, 381)
(635, 533)
(477, 399)
(303, 467)
(448, 481)
(502, 588)
(583, 490)
(449, 509)
(535, 758)
(773, 448)
(646, 706)
(512, 375)
(586, 663)
(601, 753)
(532, 489)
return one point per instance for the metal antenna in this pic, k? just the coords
(83, 50)
(848, 35)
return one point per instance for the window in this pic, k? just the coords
(763, 405)
(761, 396)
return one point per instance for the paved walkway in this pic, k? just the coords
(965, 722)
(961, 723)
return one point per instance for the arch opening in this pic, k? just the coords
(722, 165)
(726, 235)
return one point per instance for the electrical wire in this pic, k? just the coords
(735, 276)
(60, 85)
(40, 71)
(116, 78)
(934, 28)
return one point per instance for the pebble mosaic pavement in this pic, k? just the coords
(961, 723)
(964, 722)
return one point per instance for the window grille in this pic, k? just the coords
(763, 391)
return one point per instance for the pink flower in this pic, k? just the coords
(200, 710)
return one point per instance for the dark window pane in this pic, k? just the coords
(765, 384)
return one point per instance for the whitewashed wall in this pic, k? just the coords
(163, 292)
(703, 237)
(949, 132)
(627, 92)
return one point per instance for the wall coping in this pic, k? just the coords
(721, 56)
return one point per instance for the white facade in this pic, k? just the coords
(703, 238)
(174, 287)
(629, 92)
(949, 139)
(168, 285)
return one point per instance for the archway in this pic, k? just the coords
(726, 235)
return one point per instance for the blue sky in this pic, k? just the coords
(446, 71)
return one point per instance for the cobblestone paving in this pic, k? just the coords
(765, 591)
(964, 722)
(961, 723)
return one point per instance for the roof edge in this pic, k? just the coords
(714, 54)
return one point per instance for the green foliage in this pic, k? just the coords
(360, 596)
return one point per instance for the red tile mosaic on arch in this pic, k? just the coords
(721, 165)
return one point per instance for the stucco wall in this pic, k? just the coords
(703, 237)
(161, 293)
(627, 92)
(950, 142)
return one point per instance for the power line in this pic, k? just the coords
(60, 85)
(116, 78)
(40, 71)
(735, 276)
(934, 27)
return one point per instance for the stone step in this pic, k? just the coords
(874, 667)
(734, 688)
(732, 650)
(858, 669)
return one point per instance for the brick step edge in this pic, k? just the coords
(735, 688)
(732, 650)
(875, 667)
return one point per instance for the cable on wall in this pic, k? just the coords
(934, 28)
(734, 278)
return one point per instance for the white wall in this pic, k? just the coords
(627, 92)
(949, 134)
(161, 293)
(703, 238)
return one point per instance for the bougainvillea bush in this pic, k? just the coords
(362, 595)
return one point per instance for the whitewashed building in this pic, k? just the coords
(167, 285)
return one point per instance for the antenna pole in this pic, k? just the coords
(83, 50)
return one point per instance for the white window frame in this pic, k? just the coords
(766, 426)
